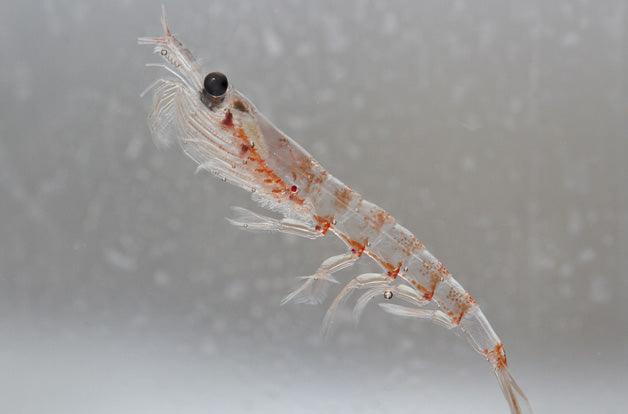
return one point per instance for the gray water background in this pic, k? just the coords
(495, 130)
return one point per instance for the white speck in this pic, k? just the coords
(354, 152)
(574, 223)
(600, 291)
(235, 290)
(468, 163)
(358, 102)
(459, 7)
(570, 39)
(273, 43)
(486, 36)
(161, 278)
(471, 122)
(390, 24)
(208, 346)
(79, 246)
(133, 148)
(320, 147)
(459, 92)
(608, 240)
(337, 40)
(566, 270)
(587, 255)
(120, 260)
(304, 49)
(565, 291)
(515, 106)
(23, 81)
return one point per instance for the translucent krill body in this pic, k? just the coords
(223, 133)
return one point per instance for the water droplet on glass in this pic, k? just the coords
(388, 294)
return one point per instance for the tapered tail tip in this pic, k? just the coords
(514, 395)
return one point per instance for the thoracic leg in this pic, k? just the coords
(248, 220)
(381, 285)
(434, 315)
(314, 289)
(364, 281)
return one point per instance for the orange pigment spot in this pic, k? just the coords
(276, 185)
(324, 223)
(392, 270)
(343, 198)
(427, 293)
(463, 302)
(497, 356)
(435, 279)
(305, 170)
(410, 245)
(464, 308)
(357, 248)
(379, 219)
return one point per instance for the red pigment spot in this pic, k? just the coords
(273, 182)
(427, 294)
(294, 189)
(392, 270)
(357, 248)
(228, 119)
(324, 223)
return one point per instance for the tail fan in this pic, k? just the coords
(517, 400)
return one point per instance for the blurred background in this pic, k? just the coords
(497, 131)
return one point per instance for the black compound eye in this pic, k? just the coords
(215, 84)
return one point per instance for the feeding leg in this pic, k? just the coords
(434, 315)
(364, 281)
(314, 289)
(384, 286)
(248, 220)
